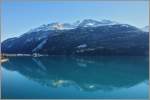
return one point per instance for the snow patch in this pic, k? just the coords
(39, 46)
(53, 26)
(82, 46)
(28, 40)
(125, 25)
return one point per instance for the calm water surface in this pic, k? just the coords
(75, 77)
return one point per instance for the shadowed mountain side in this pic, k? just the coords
(107, 39)
(89, 73)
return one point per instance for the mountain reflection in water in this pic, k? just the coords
(85, 73)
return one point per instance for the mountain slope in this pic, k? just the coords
(99, 38)
(103, 40)
(145, 29)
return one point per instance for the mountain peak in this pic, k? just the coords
(95, 23)
(68, 26)
(118, 39)
(53, 26)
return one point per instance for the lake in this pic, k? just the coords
(75, 77)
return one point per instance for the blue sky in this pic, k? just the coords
(19, 17)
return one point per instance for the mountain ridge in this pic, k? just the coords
(98, 38)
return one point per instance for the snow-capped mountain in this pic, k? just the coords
(146, 29)
(68, 26)
(95, 23)
(53, 26)
(82, 37)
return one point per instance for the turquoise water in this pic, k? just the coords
(75, 77)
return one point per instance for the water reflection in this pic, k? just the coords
(85, 73)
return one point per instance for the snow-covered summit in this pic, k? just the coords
(53, 26)
(68, 26)
(95, 23)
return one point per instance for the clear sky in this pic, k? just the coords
(19, 17)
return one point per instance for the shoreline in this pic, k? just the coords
(3, 60)
(40, 55)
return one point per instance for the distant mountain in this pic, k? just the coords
(88, 37)
(68, 26)
(146, 29)
(95, 23)
(53, 26)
